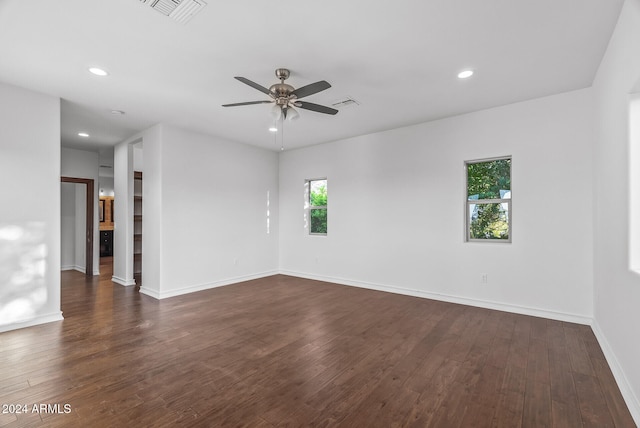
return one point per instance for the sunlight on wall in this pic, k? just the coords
(22, 271)
(268, 213)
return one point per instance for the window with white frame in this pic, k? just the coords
(317, 205)
(488, 200)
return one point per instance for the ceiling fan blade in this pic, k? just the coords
(315, 107)
(311, 89)
(247, 103)
(253, 85)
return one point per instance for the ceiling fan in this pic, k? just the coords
(285, 96)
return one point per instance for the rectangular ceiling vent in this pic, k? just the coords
(165, 7)
(178, 10)
(345, 102)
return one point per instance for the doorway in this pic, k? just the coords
(89, 194)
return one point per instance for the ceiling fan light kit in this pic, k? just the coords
(285, 97)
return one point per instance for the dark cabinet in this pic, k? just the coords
(106, 243)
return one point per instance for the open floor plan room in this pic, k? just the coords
(330, 213)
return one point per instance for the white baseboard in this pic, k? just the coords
(632, 401)
(40, 319)
(125, 282)
(523, 310)
(200, 287)
(74, 267)
(79, 269)
(149, 292)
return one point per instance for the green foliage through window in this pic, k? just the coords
(486, 179)
(318, 206)
(489, 199)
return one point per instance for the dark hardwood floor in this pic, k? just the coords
(284, 351)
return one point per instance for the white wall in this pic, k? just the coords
(73, 227)
(81, 231)
(84, 164)
(205, 212)
(138, 157)
(396, 209)
(68, 226)
(30, 209)
(123, 214)
(617, 288)
(105, 186)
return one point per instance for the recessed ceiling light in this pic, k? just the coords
(98, 71)
(83, 134)
(465, 74)
(117, 112)
(273, 129)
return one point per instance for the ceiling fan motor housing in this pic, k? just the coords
(281, 92)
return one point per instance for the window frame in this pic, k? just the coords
(316, 207)
(468, 202)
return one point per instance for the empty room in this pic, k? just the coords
(349, 214)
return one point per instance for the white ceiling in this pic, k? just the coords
(398, 59)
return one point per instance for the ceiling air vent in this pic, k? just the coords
(345, 102)
(165, 7)
(178, 10)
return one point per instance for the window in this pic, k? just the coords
(488, 200)
(317, 206)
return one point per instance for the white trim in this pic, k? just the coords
(149, 292)
(79, 269)
(517, 309)
(632, 401)
(124, 282)
(200, 287)
(40, 319)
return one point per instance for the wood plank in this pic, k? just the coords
(618, 410)
(564, 399)
(537, 404)
(510, 407)
(578, 355)
(593, 407)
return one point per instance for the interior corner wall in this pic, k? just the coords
(617, 287)
(123, 214)
(105, 186)
(80, 261)
(152, 216)
(84, 164)
(30, 208)
(396, 204)
(209, 211)
(67, 226)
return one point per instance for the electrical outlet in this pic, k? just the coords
(485, 278)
